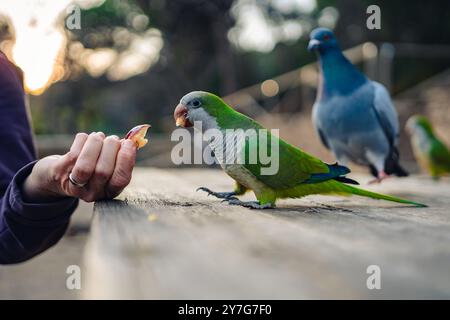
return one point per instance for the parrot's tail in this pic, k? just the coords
(374, 195)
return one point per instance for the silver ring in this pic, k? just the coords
(75, 182)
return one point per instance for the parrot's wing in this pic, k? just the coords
(294, 165)
(440, 155)
(385, 112)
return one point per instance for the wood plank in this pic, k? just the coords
(163, 240)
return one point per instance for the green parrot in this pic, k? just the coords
(299, 174)
(432, 155)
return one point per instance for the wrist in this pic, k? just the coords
(38, 189)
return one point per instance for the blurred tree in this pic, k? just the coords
(196, 53)
(416, 21)
(196, 41)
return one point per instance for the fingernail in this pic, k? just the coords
(115, 137)
(101, 134)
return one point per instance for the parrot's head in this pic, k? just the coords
(198, 106)
(418, 122)
(322, 39)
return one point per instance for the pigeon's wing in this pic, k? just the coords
(323, 138)
(320, 132)
(385, 112)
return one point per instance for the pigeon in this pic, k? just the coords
(354, 116)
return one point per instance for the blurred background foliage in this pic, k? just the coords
(131, 61)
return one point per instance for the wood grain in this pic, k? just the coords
(163, 240)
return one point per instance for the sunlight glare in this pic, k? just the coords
(40, 39)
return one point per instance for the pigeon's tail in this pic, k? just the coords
(398, 171)
(392, 164)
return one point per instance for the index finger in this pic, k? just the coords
(67, 161)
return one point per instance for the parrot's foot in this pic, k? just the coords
(220, 195)
(249, 204)
(381, 176)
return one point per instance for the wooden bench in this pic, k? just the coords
(163, 240)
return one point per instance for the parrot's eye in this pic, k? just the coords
(196, 103)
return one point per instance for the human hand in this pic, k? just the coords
(103, 165)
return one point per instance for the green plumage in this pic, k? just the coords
(299, 173)
(431, 153)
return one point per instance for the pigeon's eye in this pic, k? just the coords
(196, 103)
(326, 37)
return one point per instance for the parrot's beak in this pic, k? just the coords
(181, 116)
(313, 44)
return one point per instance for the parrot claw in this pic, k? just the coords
(249, 204)
(220, 195)
(229, 199)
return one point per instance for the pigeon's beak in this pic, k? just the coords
(181, 116)
(313, 44)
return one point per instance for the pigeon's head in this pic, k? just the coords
(199, 106)
(322, 39)
(418, 122)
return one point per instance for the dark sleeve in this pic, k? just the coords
(26, 229)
